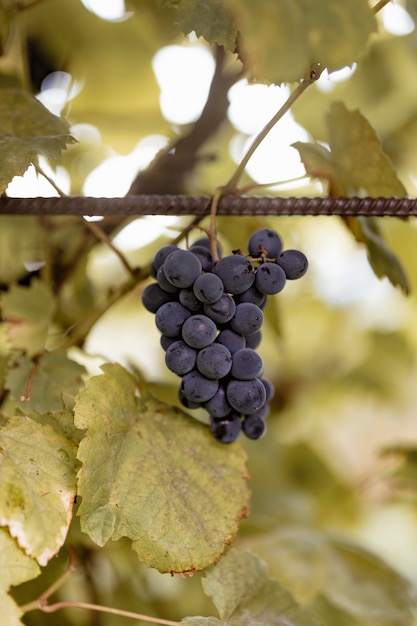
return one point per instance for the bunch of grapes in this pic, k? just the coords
(210, 316)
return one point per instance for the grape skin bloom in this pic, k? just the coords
(199, 331)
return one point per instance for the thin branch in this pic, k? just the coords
(49, 179)
(96, 230)
(51, 608)
(380, 5)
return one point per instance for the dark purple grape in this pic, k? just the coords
(187, 298)
(167, 341)
(246, 364)
(186, 402)
(153, 297)
(253, 426)
(252, 295)
(214, 361)
(269, 388)
(206, 243)
(180, 358)
(265, 241)
(204, 256)
(170, 318)
(221, 311)
(233, 341)
(197, 388)
(236, 272)
(294, 263)
(208, 288)
(246, 396)
(226, 429)
(218, 405)
(164, 283)
(270, 278)
(181, 268)
(160, 257)
(248, 319)
(254, 340)
(199, 331)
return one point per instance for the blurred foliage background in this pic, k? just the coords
(336, 474)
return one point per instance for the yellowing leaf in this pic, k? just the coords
(42, 386)
(282, 39)
(15, 568)
(27, 129)
(244, 594)
(156, 476)
(361, 166)
(28, 311)
(210, 20)
(37, 488)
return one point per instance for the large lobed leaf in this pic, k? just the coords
(156, 476)
(280, 40)
(244, 595)
(37, 488)
(27, 129)
(356, 165)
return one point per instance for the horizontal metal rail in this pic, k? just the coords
(132, 205)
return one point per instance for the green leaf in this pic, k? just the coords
(156, 476)
(318, 162)
(44, 386)
(368, 588)
(311, 563)
(244, 594)
(210, 20)
(281, 39)
(362, 168)
(27, 129)
(28, 311)
(383, 261)
(37, 489)
(15, 568)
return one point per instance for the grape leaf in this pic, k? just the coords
(15, 568)
(27, 129)
(156, 476)
(366, 587)
(28, 311)
(311, 563)
(361, 166)
(37, 489)
(42, 386)
(244, 595)
(357, 165)
(210, 20)
(282, 39)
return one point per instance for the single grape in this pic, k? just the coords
(198, 388)
(270, 278)
(248, 319)
(254, 340)
(246, 396)
(164, 283)
(208, 288)
(199, 331)
(252, 295)
(170, 318)
(188, 299)
(204, 256)
(153, 297)
(226, 429)
(186, 402)
(236, 272)
(206, 243)
(246, 364)
(253, 426)
(160, 257)
(265, 241)
(294, 263)
(218, 405)
(181, 268)
(214, 361)
(233, 341)
(180, 358)
(221, 311)
(166, 341)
